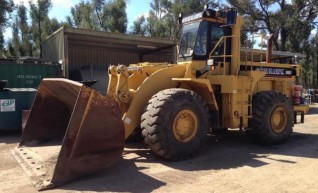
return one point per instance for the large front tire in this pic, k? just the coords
(272, 120)
(175, 123)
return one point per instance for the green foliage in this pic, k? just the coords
(100, 15)
(6, 7)
(82, 16)
(20, 43)
(162, 20)
(290, 24)
(26, 35)
(40, 23)
(1, 42)
(116, 17)
(310, 63)
(139, 27)
(40, 10)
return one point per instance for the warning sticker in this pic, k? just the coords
(7, 105)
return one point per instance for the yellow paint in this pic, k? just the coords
(279, 119)
(185, 125)
(202, 87)
(236, 88)
(112, 74)
(160, 80)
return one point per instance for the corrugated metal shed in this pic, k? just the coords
(78, 50)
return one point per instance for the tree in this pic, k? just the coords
(102, 15)
(26, 45)
(6, 7)
(15, 41)
(82, 16)
(315, 48)
(310, 63)
(20, 44)
(39, 15)
(290, 24)
(139, 27)
(2, 50)
(26, 38)
(98, 6)
(116, 20)
(163, 17)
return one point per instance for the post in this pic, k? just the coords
(317, 67)
(40, 32)
(269, 49)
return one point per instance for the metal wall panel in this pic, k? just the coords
(99, 58)
(158, 58)
(53, 47)
(77, 48)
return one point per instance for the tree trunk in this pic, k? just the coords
(283, 39)
(317, 67)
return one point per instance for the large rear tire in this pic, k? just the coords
(272, 120)
(175, 123)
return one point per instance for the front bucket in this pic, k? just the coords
(72, 131)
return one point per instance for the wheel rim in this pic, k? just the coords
(185, 125)
(279, 119)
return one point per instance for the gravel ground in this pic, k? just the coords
(228, 163)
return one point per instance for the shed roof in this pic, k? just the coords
(115, 41)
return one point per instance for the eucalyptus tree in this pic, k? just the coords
(39, 17)
(6, 7)
(101, 15)
(289, 23)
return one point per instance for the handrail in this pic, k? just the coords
(216, 45)
(254, 51)
(224, 55)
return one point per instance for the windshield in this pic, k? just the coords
(216, 35)
(188, 39)
(201, 41)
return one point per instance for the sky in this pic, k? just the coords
(62, 8)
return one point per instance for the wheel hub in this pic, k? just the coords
(279, 119)
(185, 125)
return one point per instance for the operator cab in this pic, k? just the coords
(202, 32)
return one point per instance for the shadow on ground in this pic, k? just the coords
(223, 151)
(10, 136)
(312, 110)
(124, 176)
(233, 149)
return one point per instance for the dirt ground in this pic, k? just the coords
(228, 163)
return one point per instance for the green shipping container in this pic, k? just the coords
(27, 72)
(12, 103)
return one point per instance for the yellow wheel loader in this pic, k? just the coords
(73, 131)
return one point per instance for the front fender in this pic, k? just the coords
(160, 80)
